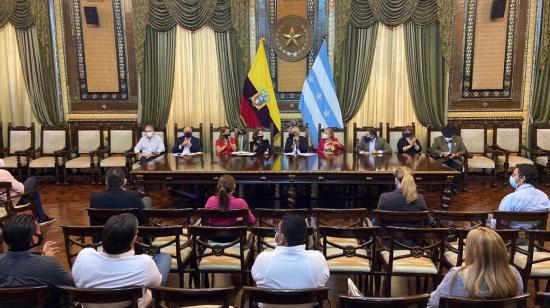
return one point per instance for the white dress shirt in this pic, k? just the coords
(290, 268)
(148, 145)
(526, 198)
(94, 269)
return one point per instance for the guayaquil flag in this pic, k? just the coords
(258, 104)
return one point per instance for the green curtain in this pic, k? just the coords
(358, 52)
(540, 111)
(232, 74)
(157, 79)
(426, 70)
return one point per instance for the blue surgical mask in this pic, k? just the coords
(513, 182)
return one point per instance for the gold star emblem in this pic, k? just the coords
(292, 36)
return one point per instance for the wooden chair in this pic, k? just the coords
(420, 301)
(11, 207)
(542, 299)
(412, 219)
(283, 297)
(248, 132)
(35, 296)
(122, 139)
(220, 250)
(513, 220)
(540, 151)
(53, 152)
(99, 217)
(507, 139)
(88, 142)
(264, 238)
(272, 217)
(167, 239)
(1, 140)
(172, 297)
(359, 132)
(393, 134)
(214, 135)
(339, 133)
(207, 214)
(519, 301)
(413, 252)
(131, 157)
(77, 238)
(18, 154)
(340, 217)
(355, 258)
(78, 296)
(534, 262)
(474, 135)
(433, 132)
(196, 132)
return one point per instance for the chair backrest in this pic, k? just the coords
(303, 132)
(284, 297)
(536, 244)
(170, 297)
(265, 237)
(411, 219)
(88, 137)
(340, 217)
(202, 239)
(196, 132)
(509, 237)
(364, 249)
(543, 299)
(122, 137)
(433, 132)
(456, 219)
(474, 135)
(171, 235)
(10, 208)
(1, 136)
(161, 132)
(53, 138)
(339, 133)
(267, 133)
(420, 301)
(508, 135)
(20, 138)
(24, 295)
(98, 216)
(80, 237)
(5, 190)
(541, 135)
(519, 301)
(271, 217)
(207, 214)
(511, 220)
(129, 295)
(393, 134)
(166, 217)
(359, 132)
(215, 135)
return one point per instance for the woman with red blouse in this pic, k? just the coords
(329, 144)
(225, 144)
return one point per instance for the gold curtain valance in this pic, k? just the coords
(393, 13)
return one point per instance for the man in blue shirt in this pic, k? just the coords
(525, 198)
(150, 145)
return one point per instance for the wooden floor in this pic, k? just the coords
(68, 204)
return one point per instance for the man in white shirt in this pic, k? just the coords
(290, 265)
(117, 265)
(150, 145)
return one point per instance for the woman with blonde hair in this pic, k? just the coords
(225, 201)
(225, 144)
(404, 197)
(486, 273)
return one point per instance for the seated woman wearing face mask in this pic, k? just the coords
(408, 143)
(259, 145)
(225, 143)
(329, 144)
(294, 142)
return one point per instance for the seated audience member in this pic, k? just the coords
(371, 143)
(19, 267)
(116, 197)
(187, 143)
(117, 265)
(225, 144)
(451, 147)
(525, 198)
(290, 265)
(225, 201)
(150, 145)
(295, 143)
(18, 188)
(408, 143)
(329, 144)
(404, 197)
(486, 273)
(259, 145)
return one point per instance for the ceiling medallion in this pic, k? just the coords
(292, 38)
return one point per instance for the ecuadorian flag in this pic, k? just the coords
(258, 104)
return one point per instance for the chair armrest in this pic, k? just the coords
(131, 157)
(26, 153)
(496, 147)
(62, 153)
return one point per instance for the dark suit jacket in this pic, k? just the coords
(380, 144)
(195, 145)
(403, 143)
(440, 145)
(302, 144)
(395, 201)
(116, 198)
(262, 147)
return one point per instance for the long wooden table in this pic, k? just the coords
(344, 169)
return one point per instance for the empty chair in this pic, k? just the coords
(543, 299)
(284, 297)
(520, 220)
(53, 151)
(87, 146)
(170, 297)
(519, 301)
(419, 301)
(125, 297)
(19, 151)
(534, 262)
(35, 296)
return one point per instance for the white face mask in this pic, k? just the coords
(149, 134)
(448, 139)
(324, 136)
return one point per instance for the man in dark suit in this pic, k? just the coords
(371, 143)
(295, 143)
(450, 147)
(116, 197)
(187, 143)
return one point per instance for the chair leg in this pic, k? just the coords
(493, 177)
(537, 285)
(65, 176)
(418, 284)
(387, 286)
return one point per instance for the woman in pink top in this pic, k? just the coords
(224, 200)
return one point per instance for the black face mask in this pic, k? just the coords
(291, 135)
(227, 135)
(188, 135)
(407, 134)
(370, 138)
(40, 240)
(259, 138)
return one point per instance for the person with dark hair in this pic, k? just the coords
(450, 147)
(31, 194)
(290, 265)
(408, 143)
(371, 143)
(116, 197)
(21, 267)
(259, 145)
(526, 197)
(117, 265)
(225, 201)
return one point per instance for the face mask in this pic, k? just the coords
(369, 138)
(260, 138)
(226, 135)
(149, 134)
(407, 134)
(324, 136)
(291, 135)
(40, 240)
(513, 182)
(448, 139)
(188, 135)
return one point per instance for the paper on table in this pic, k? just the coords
(188, 154)
(307, 154)
(243, 153)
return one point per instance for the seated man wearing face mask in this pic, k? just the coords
(295, 143)
(150, 145)
(259, 145)
(373, 144)
(187, 143)
(450, 147)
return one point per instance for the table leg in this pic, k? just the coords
(291, 196)
(446, 193)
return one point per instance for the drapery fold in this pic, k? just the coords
(540, 112)
(365, 13)
(158, 78)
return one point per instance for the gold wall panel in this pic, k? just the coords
(291, 75)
